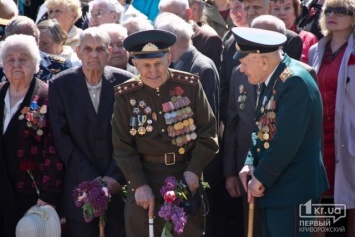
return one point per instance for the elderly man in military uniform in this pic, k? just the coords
(285, 160)
(163, 126)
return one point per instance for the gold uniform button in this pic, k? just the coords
(128, 182)
(160, 112)
(258, 149)
(132, 189)
(162, 130)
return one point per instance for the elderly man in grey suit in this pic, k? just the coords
(81, 106)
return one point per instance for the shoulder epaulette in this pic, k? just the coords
(128, 86)
(56, 58)
(184, 77)
(285, 74)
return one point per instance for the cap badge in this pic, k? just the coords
(150, 48)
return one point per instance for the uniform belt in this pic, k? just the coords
(170, 158)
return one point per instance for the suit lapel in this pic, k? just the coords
(14, 122)
(107, 95)
(82, 96)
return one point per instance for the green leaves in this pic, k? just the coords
(167, 230)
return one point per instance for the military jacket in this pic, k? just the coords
(286, 144)
(172, 118)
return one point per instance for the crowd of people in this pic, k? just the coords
(252, 97)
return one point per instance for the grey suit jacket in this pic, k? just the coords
(194, 62)
(82, 137)
(240, 123)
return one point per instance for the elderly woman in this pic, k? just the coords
(31, 171)
(67, 12)
(288, 11)
(334, 60)
(104, 11)
(52, 39)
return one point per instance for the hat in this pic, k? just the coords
(39, 221)
(149, 43)
(252, 40)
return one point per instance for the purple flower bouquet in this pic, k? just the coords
(175, 216)
(93, 198)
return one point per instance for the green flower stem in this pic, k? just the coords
(34, 182)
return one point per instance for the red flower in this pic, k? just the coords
(169, 196)
(52, 149)
(25, 133)
(20, 153)
(38, 138)
(351, 60)
(27, 165)
(59, 166)
(20, 185)
(34, 150)
(45, 179)
(47, 162)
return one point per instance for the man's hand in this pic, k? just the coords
(145, 198)
(246, 172)
(191, 180)
(232, 185)
(112, 185)
(255, 189)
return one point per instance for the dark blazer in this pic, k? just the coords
(291, 168)
(196, 63)
(240, 123)
(82, 137)
(208, 43)
(20, 146)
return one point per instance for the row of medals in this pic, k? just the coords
(267, 122)
(34, 116)
(242, 97)
(178, 115)
(140, 118)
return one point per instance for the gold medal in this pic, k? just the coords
(271, 115)
(141, 130)
(266, 136)
(181, 151)
(266, 145)
(133, 131)
(21, 117)
(260, 135)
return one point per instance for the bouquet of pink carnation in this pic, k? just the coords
(175, 216)
(93, 197)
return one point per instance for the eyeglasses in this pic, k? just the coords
(97, 14)
(338, 11)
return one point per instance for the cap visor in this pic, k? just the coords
(4, 21)
(150, 55)
(239, 55)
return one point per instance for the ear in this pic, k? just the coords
(77, 50)
(134, 61)
(265, 63)
(188, 13)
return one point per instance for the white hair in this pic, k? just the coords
(174, 24)
(95, 32)
(25, 41)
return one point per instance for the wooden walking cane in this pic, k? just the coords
(251, 218)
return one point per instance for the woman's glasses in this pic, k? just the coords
(338, 11)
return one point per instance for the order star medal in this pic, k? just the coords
(141, 121)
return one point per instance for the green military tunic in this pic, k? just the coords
(174, 118)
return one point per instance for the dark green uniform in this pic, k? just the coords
(287, 147)
(173, 120)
